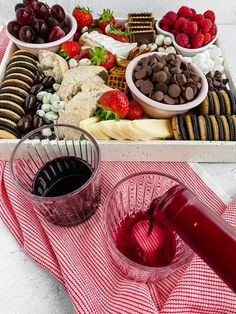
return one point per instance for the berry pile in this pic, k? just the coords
(37, 23)
(191, 30)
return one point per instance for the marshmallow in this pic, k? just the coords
(142, 47)
(152, 46)
(171, 49)
(167, 41)
(72, 63)
(161, 49)
(159, 40)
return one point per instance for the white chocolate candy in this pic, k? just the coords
(153, 46)
(54, 98)
(47, 98)
(51, 116)
(84, 29)
(159, 40)
(56, 87)
(40, 95)
(46, 132)
(72, 63)
(40, 113)
(46, 107)
(167, 41)
(161, 49)
(84, 61)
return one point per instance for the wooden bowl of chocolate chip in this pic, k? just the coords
(165, 84)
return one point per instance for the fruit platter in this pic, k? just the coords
(145, 89)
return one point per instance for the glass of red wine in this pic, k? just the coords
(57, 167)
(141, 244)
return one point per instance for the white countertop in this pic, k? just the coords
(25, 288)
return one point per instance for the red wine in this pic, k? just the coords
(134, 240)
(212, 238)
(61, 176)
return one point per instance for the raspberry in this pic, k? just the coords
(212, 31)
(210, 15)
(191, 28)
(165, 28)
(170, 18)
(180, 24)
(205, 25)
(197, 40)
(207, 39)
(198, 18)
(185, 12)
(182, 39)
(193, 13)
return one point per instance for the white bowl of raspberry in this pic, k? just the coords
(191, 33)
(37, 26)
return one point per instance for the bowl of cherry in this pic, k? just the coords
(38, 26)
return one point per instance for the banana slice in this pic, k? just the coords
(153, 128)
(111, 128)
(86, 123)
(96, 131)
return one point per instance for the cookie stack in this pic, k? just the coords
(20, 73)
(141, 27)
(204, 127)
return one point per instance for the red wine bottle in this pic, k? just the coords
(212, 238)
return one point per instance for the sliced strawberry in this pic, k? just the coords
(112, 105)
(117, 34)
(100, 56)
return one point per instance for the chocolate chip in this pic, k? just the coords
(183, 66)
(161, 87)
(138, 83)
(30, 102)
(149, 70)
(146, 87)
(175, 70)
(174, 90)
(158, 96)
(169, 100)
(157, 67)
(24, 124)
(181, 79)
(141, 74)
(35, 89)
(189, 94)
(160, 77)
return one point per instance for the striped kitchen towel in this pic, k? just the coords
(79, 258)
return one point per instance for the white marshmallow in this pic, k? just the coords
(167, 41)
(218, 61)
(46, 132)
(84, 61)
(153, 46)
(161, 49)
(84, 29)
(108, 29)
(159, 40)
(142, 47)
(72, 63)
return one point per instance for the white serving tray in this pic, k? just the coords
(179, 151)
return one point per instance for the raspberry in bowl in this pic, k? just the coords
(165, 84)
(37, 26)
(192, 33)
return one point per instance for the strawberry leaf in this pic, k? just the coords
(106, 114)
(106, 15)
(64, 54)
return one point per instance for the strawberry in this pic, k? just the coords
(120, 25)
(197, 40)
(112, 105)
(182, 39)
(106, 18)
(207, 39)
(96, 29)
(185, 12)
(170, 18)
(210, 15)
(100, 56)
(135, 110)
(69, 49)
(205, 25)
(84, 54)
(83, 17)
(191, 28)
(117, 34)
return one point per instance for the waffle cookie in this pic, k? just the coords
(204, 127)
(218, 102)
(116, 79)
(141, 27)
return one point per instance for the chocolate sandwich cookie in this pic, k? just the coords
(20, 70)
(192, 126)
(8, 131)
(12, 98)
(21, 58)
(209, 128)
(211, 104)
(226, 102)
(204, 106)
(216, 103)
(26, 65)
(232, 129)
(11, 114)
(21, 77)
(26, 53)
(15, 83)
(221, 102)
(220, 128)
(226, 128)
(179, 128)
(14, 90)
(232, 101)
(8, 121)
(9, 105)
(215, 127)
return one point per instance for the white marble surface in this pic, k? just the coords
(25, 288)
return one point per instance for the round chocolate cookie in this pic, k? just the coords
(26, 65)
(19, 76)
(26, 53)
(20, 70)
(8, 131)
(15, 83)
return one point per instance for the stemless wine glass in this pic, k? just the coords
(130, 196)
(53, 153)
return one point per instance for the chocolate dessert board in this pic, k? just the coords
(169, 150)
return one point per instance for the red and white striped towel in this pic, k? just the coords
(79, 257)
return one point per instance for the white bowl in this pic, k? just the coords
(185, 51)
(52, 46)
(155, 109)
